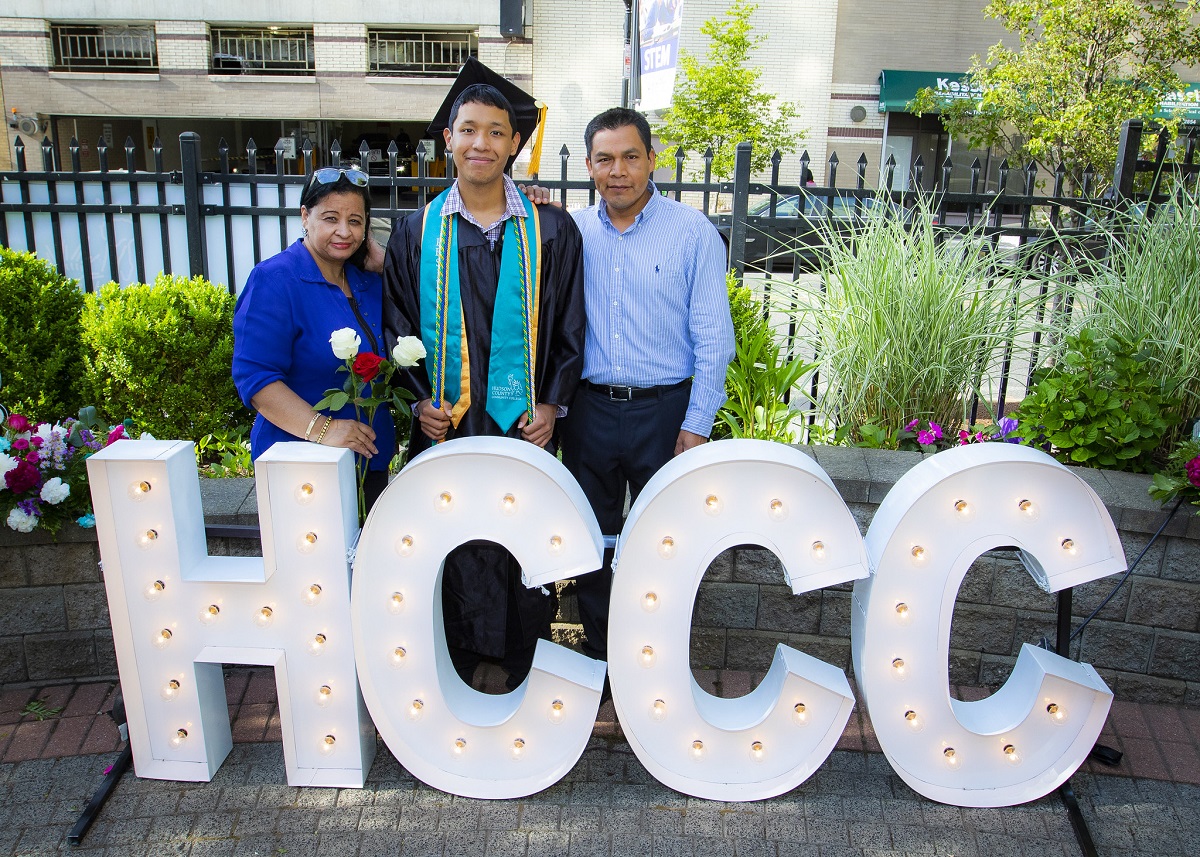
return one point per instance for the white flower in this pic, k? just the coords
(21, 521)
(46, 432)
(7, 463)
(408, 351)
(54, 491)
(345, 343)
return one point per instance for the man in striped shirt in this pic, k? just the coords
(659, 338)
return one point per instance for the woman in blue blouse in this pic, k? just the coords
(292, 303)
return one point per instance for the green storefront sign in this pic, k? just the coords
(897, 88)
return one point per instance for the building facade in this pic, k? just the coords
(375, 72)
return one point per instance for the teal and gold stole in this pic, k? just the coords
(512, 359)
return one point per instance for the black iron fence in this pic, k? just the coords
(120, 224)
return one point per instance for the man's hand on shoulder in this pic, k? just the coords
(539, 195)
(541, 429)
(375, 255)
(687, 440)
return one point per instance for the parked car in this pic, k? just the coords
(795, 231)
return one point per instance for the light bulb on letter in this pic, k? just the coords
(557, 711)
(555, 545)
(316, 645)
(179, 737)
(396, 602)
(777, 510)
(899, 670)
(697, 749)
(757, 751)
(163, 638)
(800, 714)
(1029, 508)
(399, 656)
(307, 543)
(210, 614)
(914, 721)
(903, 614)
(1058, 714)
(918, 554)
(650, 602)
(327, 745)
(951, 757)
(666, 548)
(712, 504)
(139, 490)
(647, 656)
(443, 502)
(304, 493)
(147, 539)
(155, 590)
(658, 711)
(460, 746)
(508, 504)
(518, 749)
(1011, 755)
(312, 594)
(324, 692)
(415, 709)
(404, 545)
(170, 690)
(818, 551)
(264, 616)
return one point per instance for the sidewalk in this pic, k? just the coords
(607, 805)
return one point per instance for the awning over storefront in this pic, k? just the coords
(897, 88)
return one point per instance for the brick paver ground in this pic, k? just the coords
(608, 804)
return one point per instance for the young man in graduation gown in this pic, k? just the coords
(494, 288)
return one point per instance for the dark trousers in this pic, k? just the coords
(611, 447)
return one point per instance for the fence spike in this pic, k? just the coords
(222, 147)
(833, 160)
(776, 157)
(564, 152)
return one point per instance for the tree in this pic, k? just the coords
(718, 103)
(1083, 67)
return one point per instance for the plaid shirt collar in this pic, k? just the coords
(514, 206)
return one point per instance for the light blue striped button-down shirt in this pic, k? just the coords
(657, 305)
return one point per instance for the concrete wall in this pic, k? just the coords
(54, 622)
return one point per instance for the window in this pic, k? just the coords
(107, 48)
(419, 53)
(262, 50)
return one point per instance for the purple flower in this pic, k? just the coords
(925, 438)
(30, 507)
(1007, 426)
(911, 426)
(936, 430)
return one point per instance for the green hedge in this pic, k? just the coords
(41, 352)
(161, 356)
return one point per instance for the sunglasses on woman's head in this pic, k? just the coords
(330, 175)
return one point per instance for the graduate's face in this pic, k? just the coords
(621, 168)
(336, 224)
(481, 141)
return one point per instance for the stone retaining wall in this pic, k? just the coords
(1145, 642)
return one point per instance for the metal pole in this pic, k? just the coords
(1062, 645)
(189, 155)
(741, 205)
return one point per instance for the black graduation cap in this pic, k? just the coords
(472, 72)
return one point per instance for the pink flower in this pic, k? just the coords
(1193, 471)
(911, 426)
(20, 444)
(925, 438)
(964, 437)
(33, 457)
(117, 433)
(18, 423)
(936, 430)
(36, 441)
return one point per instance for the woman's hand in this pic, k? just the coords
(435, 422)
(350, 434)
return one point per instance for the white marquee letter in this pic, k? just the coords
(447, 734)
(178, 614)
(702, 502)
(1028, 737)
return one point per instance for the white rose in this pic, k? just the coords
(408, 351)
(21, 522)
(345, 343)
(54, 491)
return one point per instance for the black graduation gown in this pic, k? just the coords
(477, 582)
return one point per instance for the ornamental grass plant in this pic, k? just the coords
(909, 324)
(1147, 290)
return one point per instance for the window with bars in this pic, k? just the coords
(262, 50)
(80, 47)
(418, 52)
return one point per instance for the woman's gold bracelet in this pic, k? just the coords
(311, 423)
(324, 428)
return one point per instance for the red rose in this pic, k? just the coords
(22, 477)
(20, 444)
(366, 366)
(19, 424)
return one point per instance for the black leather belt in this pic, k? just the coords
(628, 394)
